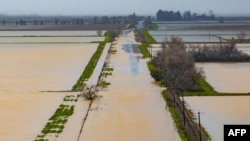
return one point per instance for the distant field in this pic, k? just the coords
(63, 27)
(200, 31)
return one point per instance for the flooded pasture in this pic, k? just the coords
(199, 31)
(44, 40)
(49, 33)
(33, 64)
(22, 116)
(218, 111)
(42, 66)
(227, 77)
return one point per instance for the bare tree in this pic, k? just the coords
(99, 32)
(89, 92)
(218, 52)
(176, 66)
(242, 35)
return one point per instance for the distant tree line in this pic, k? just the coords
(187, 15)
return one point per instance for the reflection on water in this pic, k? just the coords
(227, 77)
(218, 111)
(133, 58)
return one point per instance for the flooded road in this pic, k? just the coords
(131, 108)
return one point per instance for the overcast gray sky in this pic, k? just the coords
(121, 7)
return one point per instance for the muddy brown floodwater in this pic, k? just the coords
(42, 67)
(227, 77)
(131, 108)
(27, 69)
(217, 111)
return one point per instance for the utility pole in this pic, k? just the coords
(199, 125)
(209, 36)
(183, 108)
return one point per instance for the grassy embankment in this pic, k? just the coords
(172, 109)
(144, 47)
(148, 37)
(91, 64)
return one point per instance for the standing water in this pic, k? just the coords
(131, 108)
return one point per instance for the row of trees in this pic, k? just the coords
(219, 52)
(130, 19)
(68, 21)
(187, 15)
(175, 66)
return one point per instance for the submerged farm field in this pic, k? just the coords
(200, 31)
(34, 65)
(227, 77)
(223, 77)
(218, 111)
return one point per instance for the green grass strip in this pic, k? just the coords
(209, 91)
(107, 37)
(155, 26)
(175, 117)
(92, 63)
(144, 50)
(89, 68)
(148, 37)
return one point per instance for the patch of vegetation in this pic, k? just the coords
(89, 68)
(113, 51)
(62, 112)
(56, 122)
(207, 90)
(155, 26)
(104, 84)
(148, 37)
(218, 53)
(109, 69)
(154, 72)
(107, 37)
(111, 35)
(144, 50)
(70, 98)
